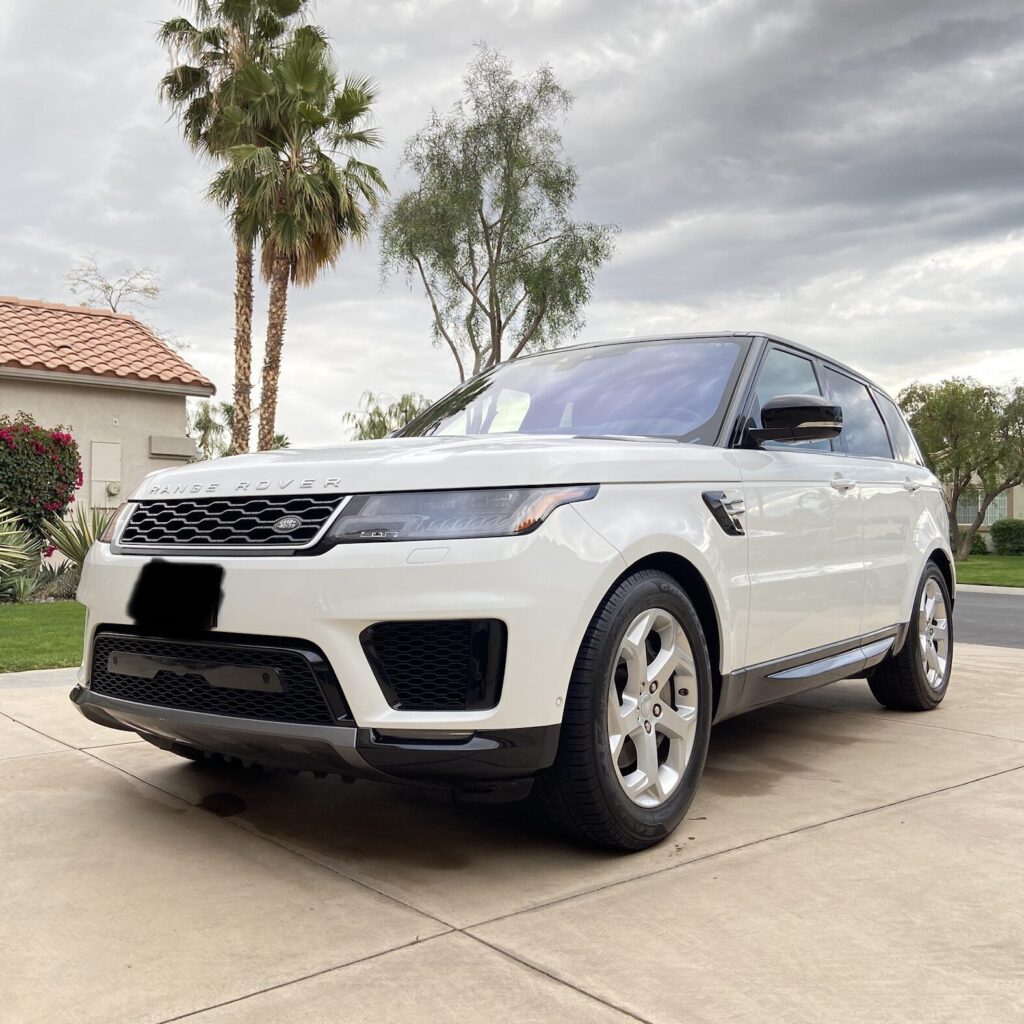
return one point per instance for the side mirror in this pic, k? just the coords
(798, 418)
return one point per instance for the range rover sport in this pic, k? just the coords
(551, 583)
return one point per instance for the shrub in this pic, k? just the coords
(978, 545)
(40, 469)
(1008, 536)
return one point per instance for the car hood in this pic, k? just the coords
(434, 463)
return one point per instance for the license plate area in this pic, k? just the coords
(177, 597)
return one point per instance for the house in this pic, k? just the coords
(106, 377)
(1009, 505)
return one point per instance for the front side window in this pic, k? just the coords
(785, 373)
(677, 388)
(863, 429)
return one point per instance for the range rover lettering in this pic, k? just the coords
(550, 584)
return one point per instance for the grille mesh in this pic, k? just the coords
(441, 665)
(235, 521)
(302, 699)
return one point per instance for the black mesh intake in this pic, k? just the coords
(236, 521)
(438, 665)
(219, 677)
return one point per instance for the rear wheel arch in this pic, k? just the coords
(941, 559)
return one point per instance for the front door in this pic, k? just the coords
(804, 528)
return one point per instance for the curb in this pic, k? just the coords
(976, 588)
(38, 678)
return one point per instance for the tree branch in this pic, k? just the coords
(440, 323)
(512, 313)
(532, 329)
(494, 309)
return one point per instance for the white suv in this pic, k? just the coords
(555, 579)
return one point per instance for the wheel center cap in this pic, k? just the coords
(646, 702)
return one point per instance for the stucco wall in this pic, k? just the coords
(114, 415)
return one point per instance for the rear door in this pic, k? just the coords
(804, 528)
(886, 501)
(920, 485)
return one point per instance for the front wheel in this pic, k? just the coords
(637, 719)
(917, 678)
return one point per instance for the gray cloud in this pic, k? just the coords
(848, 173)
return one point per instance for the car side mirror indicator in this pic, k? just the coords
(798, 418)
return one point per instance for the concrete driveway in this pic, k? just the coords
(840, 864)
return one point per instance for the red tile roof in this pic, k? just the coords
(91, 342)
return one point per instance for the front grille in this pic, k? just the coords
(177, 674)
(438, 665)
(236, 521)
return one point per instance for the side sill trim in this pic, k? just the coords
(765, 683)
(853, 660)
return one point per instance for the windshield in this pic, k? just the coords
(677, 388)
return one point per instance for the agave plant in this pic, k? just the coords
(73, 537)
(18, 549)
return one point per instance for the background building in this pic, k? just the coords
(109, 380)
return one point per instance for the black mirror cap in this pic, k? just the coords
(798, 418)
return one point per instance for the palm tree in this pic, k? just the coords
(209, 427)
(221, 39)
(286, 184)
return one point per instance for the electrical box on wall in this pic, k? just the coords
(105, 474)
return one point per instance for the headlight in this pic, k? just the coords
(446, 515)
(121, 514)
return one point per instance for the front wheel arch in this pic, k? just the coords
(690, 579)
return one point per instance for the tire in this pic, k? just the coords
(913, 680)
(584, 793)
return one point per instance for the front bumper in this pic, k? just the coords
(544, 587)
(478, 761)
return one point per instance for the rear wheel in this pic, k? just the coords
(637, 719)
(917, 678)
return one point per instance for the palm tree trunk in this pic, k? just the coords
(272, 355)
(242, 422)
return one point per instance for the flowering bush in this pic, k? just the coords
(40, 469)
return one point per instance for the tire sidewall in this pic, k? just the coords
(657, 591)
(913, 641)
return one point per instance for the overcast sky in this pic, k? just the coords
(849, 173)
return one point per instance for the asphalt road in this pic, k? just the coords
(990, 619)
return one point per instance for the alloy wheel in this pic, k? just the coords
(933, 634)
(652, 707)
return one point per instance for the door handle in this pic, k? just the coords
(911, 485)
(842, 484)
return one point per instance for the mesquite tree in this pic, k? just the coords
(972, 436)
(486, 231)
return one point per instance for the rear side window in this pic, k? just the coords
(902, 439)
(863, 429)
(785, 373)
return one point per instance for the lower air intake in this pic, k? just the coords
(438, 665)
(221, 677)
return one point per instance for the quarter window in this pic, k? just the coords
(899, 432)
(863, 429)
(784, 373)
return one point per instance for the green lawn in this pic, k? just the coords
(992, 570)
(40, 635)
